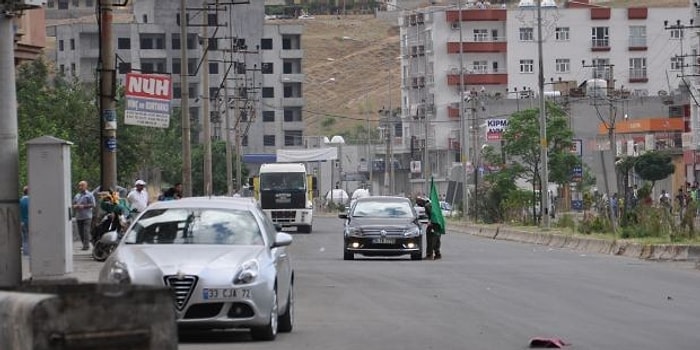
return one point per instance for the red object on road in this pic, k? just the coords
(551, 343)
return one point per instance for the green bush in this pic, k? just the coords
(566, 221)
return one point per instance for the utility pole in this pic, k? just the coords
(463, 118)
(10, 258)
(544, 157)
(229, 151)
(205, 101)
(239, 136)
(108, 111)
(610, 126)
(184, 104)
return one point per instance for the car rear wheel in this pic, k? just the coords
(268, 332)
(286, 320)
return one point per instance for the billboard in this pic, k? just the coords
(148, 98)
(495, 128)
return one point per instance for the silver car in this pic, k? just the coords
(225, 261)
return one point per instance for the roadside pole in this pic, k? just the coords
(10, 257)
(184, 104)
(108, 113)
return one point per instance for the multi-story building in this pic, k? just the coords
(495, 49)
(258, 63)
(30, 36)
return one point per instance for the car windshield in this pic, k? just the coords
(195, 226)
(383, 209)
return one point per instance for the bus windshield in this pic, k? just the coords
(282, 181)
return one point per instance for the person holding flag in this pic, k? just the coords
(436, 227)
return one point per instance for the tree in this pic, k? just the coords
(653, 166)
(522, 141)
(56, 105)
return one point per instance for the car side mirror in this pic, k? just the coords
(282, 239)
(343, 215)
(278, 227)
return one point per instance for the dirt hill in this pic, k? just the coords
(352, 68)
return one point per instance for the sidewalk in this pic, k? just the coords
(85, 268)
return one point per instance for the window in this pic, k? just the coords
(212, 20)
(89, 3)
(676, 63)
(62, 69)
(50, 4)
(677, 33)
(177, 90)
(287, 67)
(76, 3)
(526, 66)
(244, 141)
(213, 44)
(638, 68)
(192, 90)
(153, 66)
(561, 33)
(124, 43)
(293, 137)
(175, 41)
(72, 68)
(480, 67)
(494, 35)
(177, 18)
(213, 93)
(526, 34)
(292, 115)
(601, 68)
(267, 68)
(638, 36)
(145, 18)
(152, 41)
(563, 65)
(268, 116)
(481, 35)
(600, 37)
(176, 66)
(60, 45)
(494, 66)
(286, 44)
(72, 44)
(269, 140)
(191, 41)
(213, 68)
(266, 44)
(62, 4)
(268, 92)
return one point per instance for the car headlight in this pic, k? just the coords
(309, 205)
(118, 273)
(353, 231)
(248, 272)
(412, 232)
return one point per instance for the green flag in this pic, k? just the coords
(436, 217)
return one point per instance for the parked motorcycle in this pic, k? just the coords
(107, 235)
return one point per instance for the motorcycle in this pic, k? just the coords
(107, 235)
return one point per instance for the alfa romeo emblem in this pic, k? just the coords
(383, 233)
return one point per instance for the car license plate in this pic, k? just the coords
(225, 293)
(383, 240)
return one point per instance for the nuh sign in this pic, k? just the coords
(148, 85)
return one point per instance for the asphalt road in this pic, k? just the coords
(483, 294)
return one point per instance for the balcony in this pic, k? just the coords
(291, 54)
(478, 78)
(477, 14)
(600, 45)
(638, 75)
(477, 46)
(292, 101)
(637, 44)
(600, 13)
(637, 13)
(292, 78)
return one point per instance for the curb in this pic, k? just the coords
(658, 252)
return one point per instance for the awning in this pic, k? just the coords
(307, 155)
(260, 158)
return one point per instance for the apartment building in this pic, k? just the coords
(629, 49)
(245, 55)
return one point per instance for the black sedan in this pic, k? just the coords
(382, 226)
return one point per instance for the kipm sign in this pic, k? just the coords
(495, 127)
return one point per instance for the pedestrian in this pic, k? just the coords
(436, 225)
(178, 191)
(83, 204)
(24, 219)
(665, 201)
(138, 198)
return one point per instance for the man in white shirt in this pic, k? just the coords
(138, 197)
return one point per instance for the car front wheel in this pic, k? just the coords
(268, 332)
(286, 320)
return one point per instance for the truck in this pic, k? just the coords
(285, 193)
